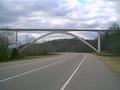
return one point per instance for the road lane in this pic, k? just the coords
(91, 75)
(51, 76)
(25, 62)
(94, 75)
(69, 79)
(19, 68)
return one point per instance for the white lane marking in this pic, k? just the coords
(26, 63)
(66, 83)
(32, 71)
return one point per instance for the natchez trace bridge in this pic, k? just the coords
(61, 31)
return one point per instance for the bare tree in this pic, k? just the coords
(4, 50)
(115, 26)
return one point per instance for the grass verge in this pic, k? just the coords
(33, 57)
(112, 61)
(28, 58)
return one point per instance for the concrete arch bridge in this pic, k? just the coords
(98, 49)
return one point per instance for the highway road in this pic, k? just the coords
(69, 71)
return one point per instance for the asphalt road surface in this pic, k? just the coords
(69, 71)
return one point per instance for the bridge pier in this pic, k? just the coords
(16, 39)
(99, 43)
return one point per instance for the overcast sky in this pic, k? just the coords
(59, 14)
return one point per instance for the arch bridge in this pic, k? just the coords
(61, 31)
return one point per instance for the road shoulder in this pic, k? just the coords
(112, 61)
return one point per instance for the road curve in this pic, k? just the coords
(69, 71)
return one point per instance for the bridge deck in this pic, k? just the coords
(93, 30)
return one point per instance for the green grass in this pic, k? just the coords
(106, 53)
(33, 57)
(112, 61)
(28, 58)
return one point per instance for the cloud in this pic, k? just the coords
(59, 13)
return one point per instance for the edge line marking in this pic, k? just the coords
(67, 82)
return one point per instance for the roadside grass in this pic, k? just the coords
(107, 53)
(33, 57)
(28, 58)
(111, 60)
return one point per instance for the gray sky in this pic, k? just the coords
(59, 14)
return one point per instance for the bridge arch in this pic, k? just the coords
(66, 33)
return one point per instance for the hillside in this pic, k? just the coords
(60, 45)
